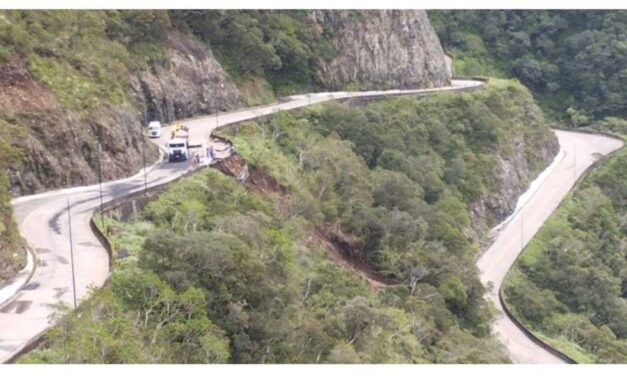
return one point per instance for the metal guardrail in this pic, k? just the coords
(366, 98)
(104, 241)
(102, 238)
(532, 336)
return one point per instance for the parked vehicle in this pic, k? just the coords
(183, 133)
(154, 129)
(177, 149)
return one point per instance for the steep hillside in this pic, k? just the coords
(77, 81)
(80, 80)
(385, 49)
(499, 133)
(189, 82)
(469, 153)
(78, 87)
(300, 50)
(351, 240)
(12, 252)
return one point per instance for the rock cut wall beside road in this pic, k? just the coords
(188, 83)
(381, 49)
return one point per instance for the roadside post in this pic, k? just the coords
(218, 108)
(69, 217)
(144, 160)
(574, 165)
(100, 186)
(522, 231)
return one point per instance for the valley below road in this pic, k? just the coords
(44, 219)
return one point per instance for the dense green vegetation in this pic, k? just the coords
(246, 263)
(413, 171)
(12, 255)
(570, 284)
(278, 46)
(219, 275)
(573, 61)
(85, 57)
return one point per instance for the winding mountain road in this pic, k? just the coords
(579, 151)
(44, 222)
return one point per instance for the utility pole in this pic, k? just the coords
(218, 108)
(574, 166)
(69, 217)
(522, 233)
(100, 185)
(144, 159)
(309, 92)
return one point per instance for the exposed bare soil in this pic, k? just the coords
(19, 92)
(342, 249)
(346, 252)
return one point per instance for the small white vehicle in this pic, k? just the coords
(154, 129)
(177, 150)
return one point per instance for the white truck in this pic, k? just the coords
(178, 145)
(154, 129)
(177, 149)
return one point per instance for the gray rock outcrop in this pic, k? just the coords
(381, 49)
(189, 83)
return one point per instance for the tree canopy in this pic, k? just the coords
(571, 59)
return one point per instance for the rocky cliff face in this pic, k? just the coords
(532, 150)
(189, 83)
(514, 173)
(375, 49)
(382, 49)
(61, 147)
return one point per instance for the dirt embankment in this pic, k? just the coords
(342, 249)
(231, 166)
(20, 92)
(346, 252)
(61, 147)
